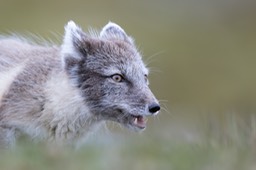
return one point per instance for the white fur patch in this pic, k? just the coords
(67, 109)
(6, 79)
(71, 32)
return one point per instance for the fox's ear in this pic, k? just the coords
(76, 45)
(114, 31)
(72, 39)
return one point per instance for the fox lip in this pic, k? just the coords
(135, 122)
(138, 121)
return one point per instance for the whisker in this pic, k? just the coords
(150, 58)
(163, 101)
(154, 70)
(110, 126)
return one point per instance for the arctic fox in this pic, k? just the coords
(60, 94)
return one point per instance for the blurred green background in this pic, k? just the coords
(202, 55)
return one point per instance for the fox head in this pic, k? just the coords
(110, 75)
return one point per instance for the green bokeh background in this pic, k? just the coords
(202, 57)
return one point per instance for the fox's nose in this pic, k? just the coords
(154, 108)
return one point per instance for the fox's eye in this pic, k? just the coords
(146, 78)
(117, 77)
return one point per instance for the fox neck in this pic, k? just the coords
(65, 109)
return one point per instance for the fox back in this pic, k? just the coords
(62, 93)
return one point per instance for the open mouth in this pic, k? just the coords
(138, 121)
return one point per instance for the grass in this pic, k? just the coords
(152, 150)
(165, 155)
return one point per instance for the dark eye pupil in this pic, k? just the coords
(117, 78)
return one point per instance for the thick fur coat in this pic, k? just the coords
(61, 93)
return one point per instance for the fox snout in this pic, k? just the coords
(154, 108)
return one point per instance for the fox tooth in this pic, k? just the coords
(135, 120)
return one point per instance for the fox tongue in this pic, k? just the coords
(140, 121)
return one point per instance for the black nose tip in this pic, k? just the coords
(153, 108)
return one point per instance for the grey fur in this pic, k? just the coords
(61, 93)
